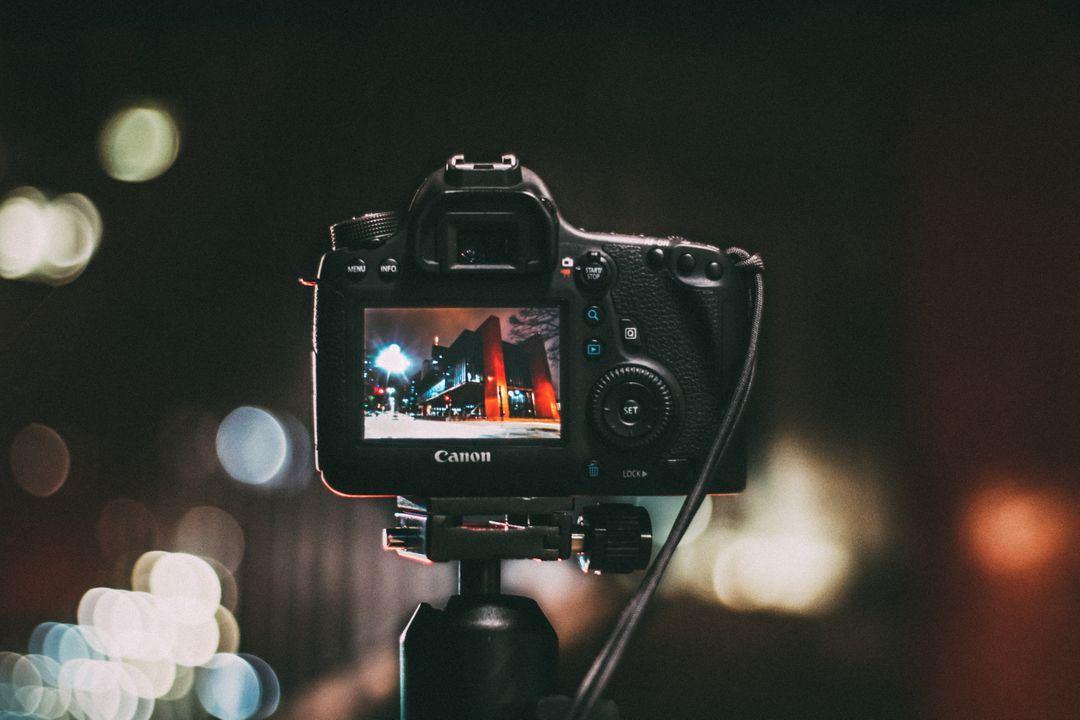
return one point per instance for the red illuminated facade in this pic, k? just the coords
(481, 375)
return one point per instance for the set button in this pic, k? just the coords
(631, 405)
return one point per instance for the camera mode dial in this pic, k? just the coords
(370, 230)
(631, 405)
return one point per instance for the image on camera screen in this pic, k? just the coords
(437, 373)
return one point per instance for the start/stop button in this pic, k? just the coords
(593, 271)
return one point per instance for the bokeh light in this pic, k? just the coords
(795, 573)
(188, 587)
(182, 684)
(211, 532)
(228, 687)
(168, 653)
(271, 451)
(40, 460)
(792, 542)
(20, 683)
(269, 687)
(51, 701)
(142, 569)
(47, 241)
(252, 445)
(299, 464)
(230, 590)
(228, 631)
(1014, 531)
(139, 143)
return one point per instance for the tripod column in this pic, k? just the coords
(479, 577)
(487, 656)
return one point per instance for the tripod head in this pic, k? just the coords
(489, 655)
(605, 537)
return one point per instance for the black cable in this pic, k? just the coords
(600, 672)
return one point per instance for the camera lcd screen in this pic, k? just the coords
(462, 373)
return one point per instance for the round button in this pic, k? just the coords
(630, 411)
(356, 269)
(714, 270)
(630, 408)
(388, 269)
(655, 258)
(686, 264)
(631, 405)
(593, 271)
(594, 315)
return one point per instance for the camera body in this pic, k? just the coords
(481, 346)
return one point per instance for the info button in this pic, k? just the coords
(388, 269)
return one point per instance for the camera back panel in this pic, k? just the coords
(482, 346)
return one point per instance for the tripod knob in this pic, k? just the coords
(616, 538)
(367, 231)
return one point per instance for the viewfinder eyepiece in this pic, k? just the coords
(480, 217)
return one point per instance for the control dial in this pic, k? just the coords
(631, 405)
(370, 230)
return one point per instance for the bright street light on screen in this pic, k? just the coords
(392, 360)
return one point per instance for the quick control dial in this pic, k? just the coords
(370, 230)
(631, 405)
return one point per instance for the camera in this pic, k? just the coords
(479, 345)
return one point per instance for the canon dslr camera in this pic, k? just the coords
(481, 346)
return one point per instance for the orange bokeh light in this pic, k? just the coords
(1012, 530)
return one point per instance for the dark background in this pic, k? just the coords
(909, 174)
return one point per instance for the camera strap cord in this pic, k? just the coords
(603, 667)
